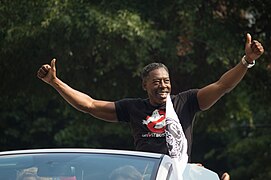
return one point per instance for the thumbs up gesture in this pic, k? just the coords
(253, 49)
(47, 72)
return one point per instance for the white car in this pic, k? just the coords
(93, 164)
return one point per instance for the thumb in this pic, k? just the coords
(248, 42)
(53, 64)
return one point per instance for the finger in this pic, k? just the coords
(43, 71)
(257, 47)
(225, 176)
(45, 67)
(248, 41)
(41, 74)
(53, 64)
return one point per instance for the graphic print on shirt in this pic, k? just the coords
(156, 123)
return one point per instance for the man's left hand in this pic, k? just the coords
(253, 49)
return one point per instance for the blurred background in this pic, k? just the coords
(101, 46)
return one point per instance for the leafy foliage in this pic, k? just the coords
(101, 47)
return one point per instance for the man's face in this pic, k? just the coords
(158, 86)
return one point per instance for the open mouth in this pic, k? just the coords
(163, 94)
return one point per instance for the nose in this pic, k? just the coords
(163, 84)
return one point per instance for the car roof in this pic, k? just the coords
(84, 150)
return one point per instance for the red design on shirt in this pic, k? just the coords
(156, 122)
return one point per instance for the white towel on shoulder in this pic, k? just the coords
(176, 140)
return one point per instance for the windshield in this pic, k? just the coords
(77, 166)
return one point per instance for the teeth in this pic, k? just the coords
(162, 94)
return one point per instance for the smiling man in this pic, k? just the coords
(147, 116)
(155, 80)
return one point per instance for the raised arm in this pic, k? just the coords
(209, 95)
(104, 110)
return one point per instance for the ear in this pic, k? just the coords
(144, 85)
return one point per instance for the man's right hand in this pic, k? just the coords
(47, 72)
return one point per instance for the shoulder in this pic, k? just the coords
(126, 106)
(130, 100)
(191, 93)
(186, 99)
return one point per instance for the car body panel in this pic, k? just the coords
(100, 164)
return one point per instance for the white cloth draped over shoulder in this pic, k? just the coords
(176, 140)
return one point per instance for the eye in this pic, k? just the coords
(156, 82)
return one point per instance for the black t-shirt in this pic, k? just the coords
(148, 121)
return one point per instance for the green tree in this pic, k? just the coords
(100, 48)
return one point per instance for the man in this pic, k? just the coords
(147, 116)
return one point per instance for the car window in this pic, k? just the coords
(77, 166)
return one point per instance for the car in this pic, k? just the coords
(93, 164)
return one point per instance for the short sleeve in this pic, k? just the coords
(189, 98)
(122, 110)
